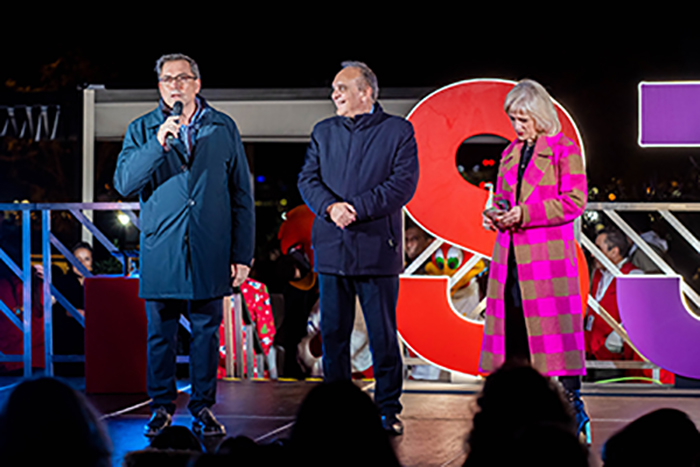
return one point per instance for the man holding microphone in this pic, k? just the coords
(186, 162)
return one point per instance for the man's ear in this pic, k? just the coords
(365, 90)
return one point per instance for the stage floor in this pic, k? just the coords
(437, 416)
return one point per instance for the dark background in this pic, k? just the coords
(591, 61)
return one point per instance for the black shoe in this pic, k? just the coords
(392, 425)
(159, 420)
(205, 424)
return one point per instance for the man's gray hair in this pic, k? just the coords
(174, 57)
(367, 75)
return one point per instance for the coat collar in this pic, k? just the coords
(157, 116)
(543, 147)
(535, 169)
(365, 120)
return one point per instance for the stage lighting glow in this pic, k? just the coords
(123, 219)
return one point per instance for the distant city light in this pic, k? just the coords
(283, 202)
(260, 179)
(612, 197)
(123, 219)
(592, 217)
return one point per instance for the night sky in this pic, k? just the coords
(591, 66)
(590, 61)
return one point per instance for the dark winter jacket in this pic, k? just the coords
(197, 214)
(370, 162)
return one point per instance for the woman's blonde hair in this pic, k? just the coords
(530, 97)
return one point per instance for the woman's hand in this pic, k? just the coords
(511, 218)
(487, 223)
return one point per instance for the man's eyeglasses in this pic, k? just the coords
(179, 79)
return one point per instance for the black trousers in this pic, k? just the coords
(517, 344)
(378, 296)
(163, 317)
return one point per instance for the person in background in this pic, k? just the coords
(416, 240)
(68, 333)
(602, 343)
(12, 295)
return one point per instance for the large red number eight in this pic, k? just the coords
(450, 209)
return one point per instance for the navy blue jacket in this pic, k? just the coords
(197, 213)
(370, 162)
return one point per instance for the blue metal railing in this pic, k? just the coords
(23, 320)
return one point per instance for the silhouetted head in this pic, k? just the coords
(336, 420)
(546, 445)
(514, 398)
(176, 437)
(242, 450)
(46, 422)
(661, 437)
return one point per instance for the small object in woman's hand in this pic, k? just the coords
(503, 205)
(492, 214)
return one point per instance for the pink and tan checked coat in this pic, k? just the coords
(553, 194)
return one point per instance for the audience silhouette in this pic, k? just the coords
(46, 422)
(522, 419)
(515, 399)
(338, 424)
(661, 437)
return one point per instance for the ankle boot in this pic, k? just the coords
(583, 421)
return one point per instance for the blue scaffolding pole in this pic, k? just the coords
(24, 323)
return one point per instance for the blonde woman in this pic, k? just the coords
(533, 311)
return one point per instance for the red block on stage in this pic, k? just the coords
(115, 336)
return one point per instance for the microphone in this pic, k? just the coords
(177, 111)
